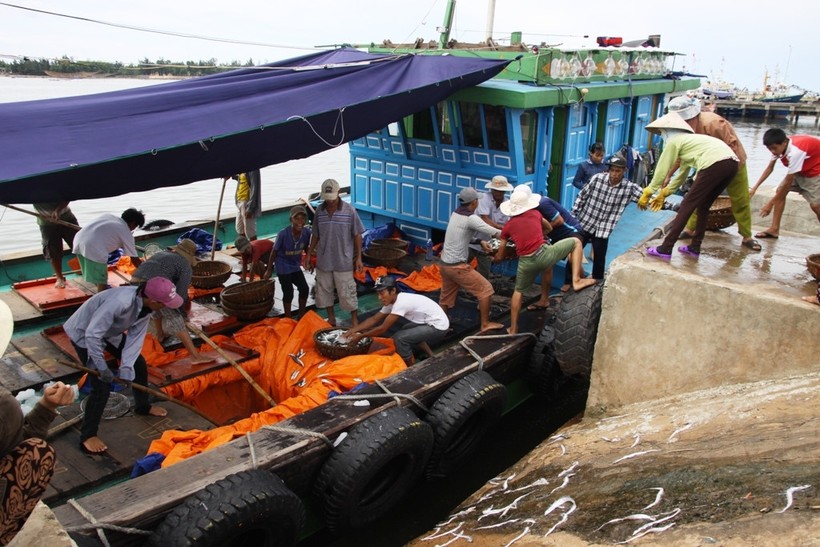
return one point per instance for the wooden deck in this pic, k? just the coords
(767, 110)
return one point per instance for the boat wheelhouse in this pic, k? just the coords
(533, 123)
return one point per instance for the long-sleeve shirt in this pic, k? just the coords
(599, 205)
(460, 230)
(106, 316)
(716, 126)
(587, 170)
(694, 151)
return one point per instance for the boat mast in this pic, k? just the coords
(444, 38)
(488, 33)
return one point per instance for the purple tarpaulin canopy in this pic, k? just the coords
(109, 144)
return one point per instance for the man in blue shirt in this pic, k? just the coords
(564, 225)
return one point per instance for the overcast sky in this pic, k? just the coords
(717, 37)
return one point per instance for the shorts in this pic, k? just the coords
(345, 286)
(808, 187)
(465, 277)
(546, 257)
(245, 225)
(93, 272)
(53, 235)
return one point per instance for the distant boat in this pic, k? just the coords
(778, 93)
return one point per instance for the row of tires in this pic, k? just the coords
(366, 475)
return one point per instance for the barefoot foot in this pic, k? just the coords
(93, 445)
(583, 283)
(200, 359)
(491, 326)
(157, 411)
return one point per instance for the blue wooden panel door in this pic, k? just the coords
(579, 134)
(643, 115)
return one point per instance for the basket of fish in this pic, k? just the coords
(720, 214)
(331, 343)
(509, 252)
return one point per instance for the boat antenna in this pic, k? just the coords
(444, 38)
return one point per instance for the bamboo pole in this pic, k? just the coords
(196, 330)
(138, 387)
(218, 214)
(44, 217)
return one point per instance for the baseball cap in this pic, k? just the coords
(297, 210)
(468, 195)
(330, 190)
(163, 291)
(385, 282)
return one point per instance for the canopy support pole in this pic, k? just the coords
(218, 213)
(44, 217)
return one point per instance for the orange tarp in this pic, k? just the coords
(297, 387)
(375, 273)
(425, 280)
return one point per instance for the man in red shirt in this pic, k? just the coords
(255, 257)
(801, 156)
(526, 228)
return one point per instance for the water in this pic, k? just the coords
(281, 184)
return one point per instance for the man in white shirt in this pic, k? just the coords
(488, 210)
(427, 322)
(103, 235)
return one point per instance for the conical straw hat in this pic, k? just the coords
(672, 120)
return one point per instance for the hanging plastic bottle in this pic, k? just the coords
(429, 250)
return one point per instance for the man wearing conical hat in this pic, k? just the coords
(716, 164)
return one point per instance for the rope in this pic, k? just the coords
(100, 527)
(339, 121)
(302, 432)
(479, 358)
(386, 395)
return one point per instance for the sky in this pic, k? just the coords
(719, 40)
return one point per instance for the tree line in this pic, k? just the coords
(160, 67)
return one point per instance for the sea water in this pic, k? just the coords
(281, 184)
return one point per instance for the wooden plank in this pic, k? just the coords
(18, 373)
(42, 294)
(39, 350)
(183, 369)
(146, 499)
(22, 310)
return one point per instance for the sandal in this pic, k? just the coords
(689, 250)
(751, 244)
(653, 251)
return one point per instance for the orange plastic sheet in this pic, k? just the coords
(297, 387)
(374, 274)
(125, 265)
(425, 280)
(194, 292)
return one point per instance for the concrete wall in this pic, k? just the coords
(798, 216)
(667, 330)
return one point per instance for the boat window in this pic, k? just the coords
(496, 121)
(529, 126)
(471, 124)
(420, 126)
(445, 128)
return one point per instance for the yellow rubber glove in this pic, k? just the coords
(656, 204)
(644, 201)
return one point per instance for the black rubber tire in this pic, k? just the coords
(544, 376)
(576, 328)
(249, 508)
(461, 417)
(372, 468)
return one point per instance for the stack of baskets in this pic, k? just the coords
(249, 301)
(384, 256)
(813, 264)
(327, 344)
(720, 214)
(209, 274)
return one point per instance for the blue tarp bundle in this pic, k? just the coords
(108, 144)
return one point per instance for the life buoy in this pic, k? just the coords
(544, 376)
(372, 468)
(460, 418)
(576, 328)
(249, 508)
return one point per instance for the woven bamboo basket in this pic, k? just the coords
(384, 256)
(337, 351)
(813, 264)
(248, 301)
(209, 274)
(391, 242)
(720, 214)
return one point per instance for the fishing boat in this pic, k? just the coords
(469, 112)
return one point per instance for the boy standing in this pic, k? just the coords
(288, 249)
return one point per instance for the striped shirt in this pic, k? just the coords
(599, 205)
(336, 233)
